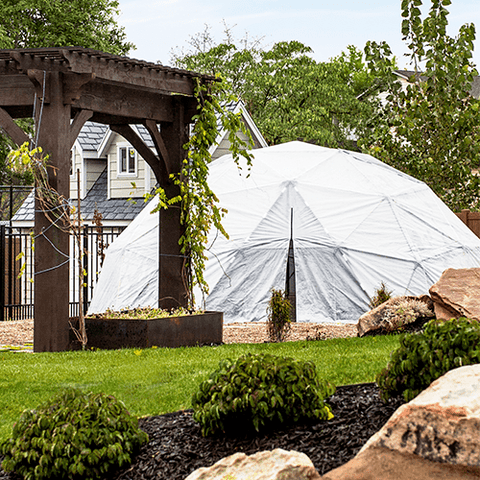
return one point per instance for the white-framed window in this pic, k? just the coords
(73, 170)
(127, 160)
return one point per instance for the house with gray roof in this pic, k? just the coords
(114, 178)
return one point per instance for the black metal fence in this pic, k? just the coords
(11, 198)
(17, 268)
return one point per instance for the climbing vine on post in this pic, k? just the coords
(200, 209)
(56, 208)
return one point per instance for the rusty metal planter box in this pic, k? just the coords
(185, 330)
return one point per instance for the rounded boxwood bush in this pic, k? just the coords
(75, 435)
(424, 357)
(258, 391)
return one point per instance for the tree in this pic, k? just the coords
(431, 129)
(53, 23)
(289, 95)
(61, 23)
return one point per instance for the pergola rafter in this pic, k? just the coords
(63, 88)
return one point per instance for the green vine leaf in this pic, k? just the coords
(200, 207)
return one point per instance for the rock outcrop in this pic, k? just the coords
(457, 294)
(277, 464)
(396, 314)
(433, 436)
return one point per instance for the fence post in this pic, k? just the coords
(10, 216)
(85, 280)
(2, 273)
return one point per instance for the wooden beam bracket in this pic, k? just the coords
(79, 120)
(40, 80)
(157, 165)
(73, 84)
(12, 129)
(157, 138)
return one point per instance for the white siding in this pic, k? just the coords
(77, 164)
(223, 147)
(120, 185)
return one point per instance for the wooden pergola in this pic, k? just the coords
(63, 88)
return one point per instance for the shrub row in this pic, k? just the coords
(79, 435)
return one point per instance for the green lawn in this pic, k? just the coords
(160, 380)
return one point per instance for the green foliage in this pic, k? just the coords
(260, 391)
(278, 311)
(289, 95)
(56, 23)
(146, 313)
(382, 294)
(75, 435)
(199, 204)
(9, 175)
(430, 129)
(424, 357)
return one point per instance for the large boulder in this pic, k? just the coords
(277, 464)
(384, 464)
(396, 314)
(457, 294)
(436, 435)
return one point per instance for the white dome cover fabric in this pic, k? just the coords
(357, 222)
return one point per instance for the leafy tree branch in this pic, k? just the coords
(430, 129)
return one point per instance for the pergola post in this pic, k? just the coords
(172, 288)
(51, 287)
(60, 85)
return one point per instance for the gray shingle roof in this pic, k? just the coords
(91, 135)
(145, 136)
(26, 211)
(111, 209)
(475, 91)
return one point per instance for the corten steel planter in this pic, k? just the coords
(181, 331)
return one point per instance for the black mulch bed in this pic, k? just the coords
(176, 447)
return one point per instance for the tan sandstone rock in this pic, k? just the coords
(394, 314)
(277, 464)
(457, 294)
(384, 464)
(435, 435)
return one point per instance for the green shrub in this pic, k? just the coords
(257, 391)
(278, 312)
(424, 357)
(382, 294)
(75, 435)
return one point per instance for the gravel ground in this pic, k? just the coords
(19, 333)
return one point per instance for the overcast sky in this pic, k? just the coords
(328, 27)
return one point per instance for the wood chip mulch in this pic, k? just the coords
(176, 447)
